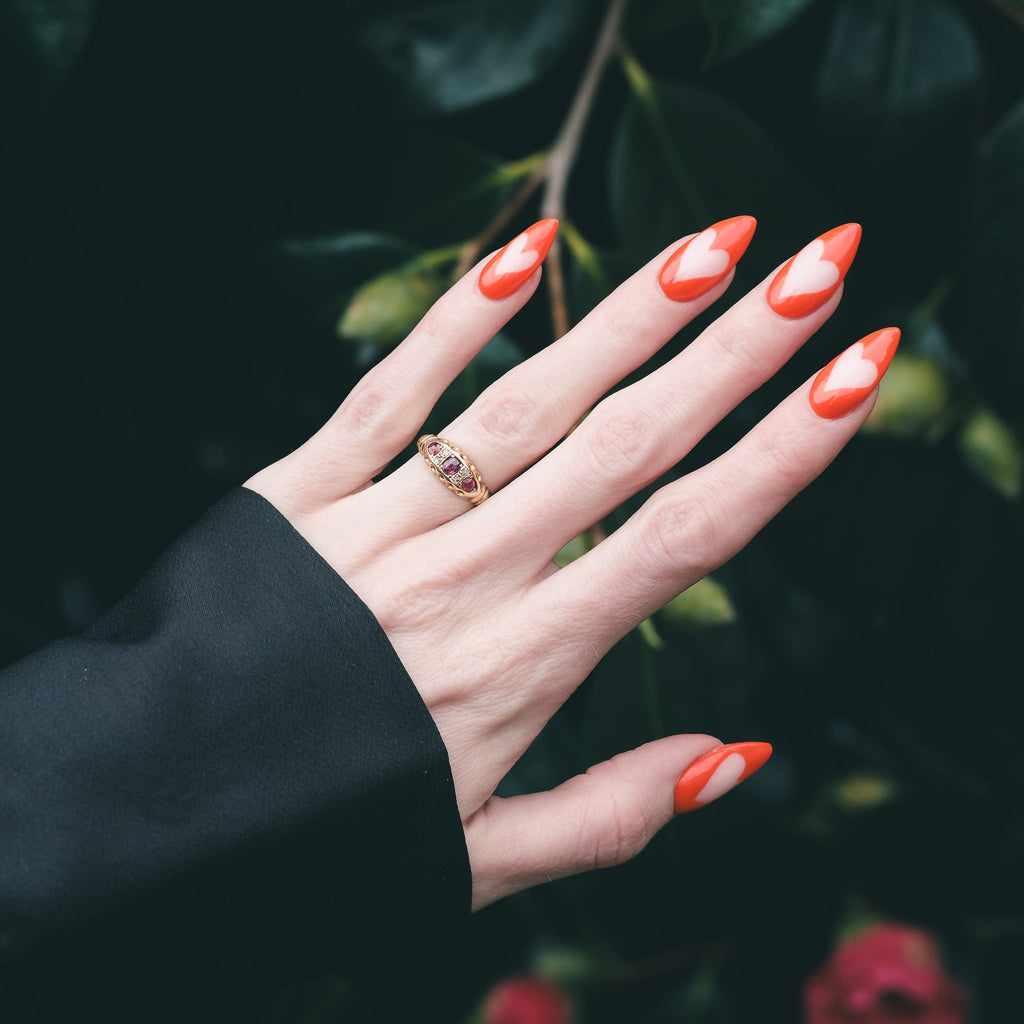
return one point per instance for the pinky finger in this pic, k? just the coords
(602, 818)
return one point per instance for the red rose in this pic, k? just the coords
(530, 1000)
(890, 974)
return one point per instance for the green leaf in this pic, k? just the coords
(732, 26)
(682, 159)
(310, 279)
(706, 603)
(912, 398)
(386, 308)
(744, 24)
(992, 451)
(895, 95)
(441, 58)
(40, 42)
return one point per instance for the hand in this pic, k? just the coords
(493, 634)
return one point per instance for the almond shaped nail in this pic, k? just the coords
(509, 267)
(853, 374)
(814, 273)
(718, 771)
(702, 261)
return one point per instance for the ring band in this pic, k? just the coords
(453, 468)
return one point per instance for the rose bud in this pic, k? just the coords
(527, 1000)
(889, 974)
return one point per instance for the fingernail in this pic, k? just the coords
(853, 374)
(718, 771)
(508, 268)
(702, 261)
(814, 273)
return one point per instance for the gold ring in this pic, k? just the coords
(453, 468)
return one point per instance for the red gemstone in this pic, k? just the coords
(451, 466)
(469, 485)
(433, 448)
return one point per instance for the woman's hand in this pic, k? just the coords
(493, 634)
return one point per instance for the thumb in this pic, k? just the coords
(602, 818)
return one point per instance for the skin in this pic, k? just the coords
(529, 632)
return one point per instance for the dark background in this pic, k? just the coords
(191, 195)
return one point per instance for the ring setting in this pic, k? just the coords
(453, 468)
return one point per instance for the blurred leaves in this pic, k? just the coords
(706, 603)
(912, 398)
(732, 26)
(899, 83)
(740, 25)
(442, 58)
(680, 160)
(40, 42)
(195, 207)
(385, 309)
(993, 453)
(989, 305)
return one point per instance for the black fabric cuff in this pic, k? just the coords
(229, 776)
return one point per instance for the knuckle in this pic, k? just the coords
(625, 828)
(681, 533)
(617, 436)
(621, 325)
(368, 410)
(784, 458)
(737, 341)
(443, 322)
(507, 414)
(410, 605)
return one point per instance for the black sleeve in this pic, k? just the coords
(229, 777)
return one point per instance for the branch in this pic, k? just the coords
(554, 172)
(563, 155)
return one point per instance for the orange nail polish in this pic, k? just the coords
(853, 374)
(702, 261)
(718, 771)
(509, 267)
(814, 273)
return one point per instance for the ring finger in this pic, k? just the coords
(531, 408)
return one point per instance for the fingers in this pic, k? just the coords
(536, 404)
(638, 433)
(384, 411)
(602, 818)
(693, 525)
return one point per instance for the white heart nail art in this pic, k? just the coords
(809, 273)
(700, 260)
(723, 778)
(851, 370)
(516, 256)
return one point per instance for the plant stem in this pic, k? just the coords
(552, 169)
(563, 154)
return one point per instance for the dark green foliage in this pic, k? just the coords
(190, 196)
